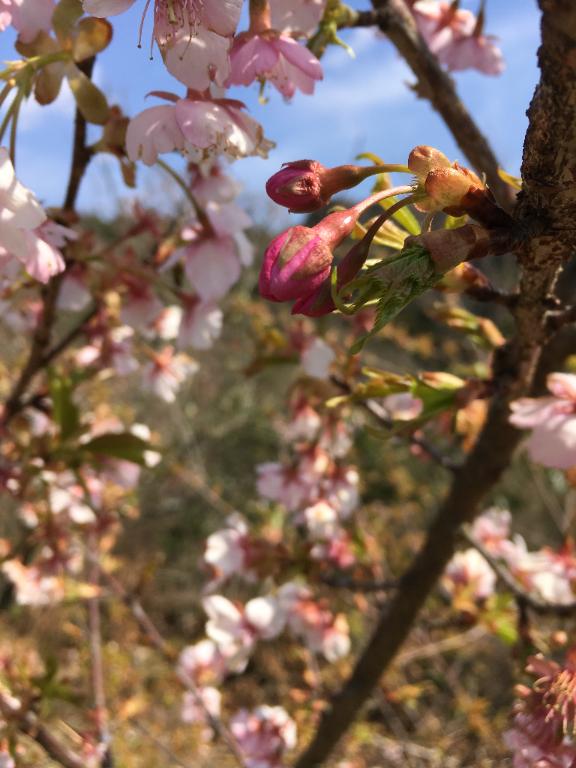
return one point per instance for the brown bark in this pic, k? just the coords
(545, 221)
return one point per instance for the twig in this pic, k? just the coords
(446, 645)
(537, 604)
(159, 744)
(95, 636)
(380, 414)
(339, 581)
(81, 152)
(28, 723)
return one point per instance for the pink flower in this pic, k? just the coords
(297, 17)
(316, 358)
(553, 422)
(322, 520)
(263, 735)
(167, 372)
(289, 486)
(338, 550)
(28, 17)
(402, 406)
(227, 551)
(202, 663)
(201, 324)
(276, 57)
(544, 722)
(200, 127)
(34, 585)
(193, 35)
(237, 628)
(298, 262)
(454, 35)
(24, 231)
(198, 705)
(469, 572)
(311, 620)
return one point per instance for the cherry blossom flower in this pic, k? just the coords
(337, 550)
(22, 234)
(311, 620)
(33, 586)
(198, 126)
(469, 572)
(236, 629)
(275, 57)
(167, 372)
(544, 723)
(321, 520)
(402, 406)
(290, 486)
(453, 34)
(304, 424)
(202, 663)
(193, 36)
(263, 735)
(74, 295)
(195, 711)
(201, 324)
(296, 17)
(316, 358)
(28, 17)
(340, 489)
(227, 550)
(553, 422)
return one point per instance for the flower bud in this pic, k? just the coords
(304, 186)
(299, 260)
(462, 278)
(424, 159)
(447, 187)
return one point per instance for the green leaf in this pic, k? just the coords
(118, 445)
(66, 414)
(89, 98)
(400, 280)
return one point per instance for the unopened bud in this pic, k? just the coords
(447, 187)
(299, 260)
(424, 159)
(462, 278)
(304, 186)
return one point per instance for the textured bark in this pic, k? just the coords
(546, 237)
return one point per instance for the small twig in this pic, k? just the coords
(537, 604)
(81, 152)
(27, 722)
(69, 337)
(491, 295)
(380, 414)
(95, 636)
(159, 744)
(338, 581)
(446, 645)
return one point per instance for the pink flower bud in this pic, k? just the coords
(304, 186)
(298, 261)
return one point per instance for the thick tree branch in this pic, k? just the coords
(549, 170)
(395, 20)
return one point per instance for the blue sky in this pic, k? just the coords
(363, 104)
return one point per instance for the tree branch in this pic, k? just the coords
(548, 191)
(434, 84)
